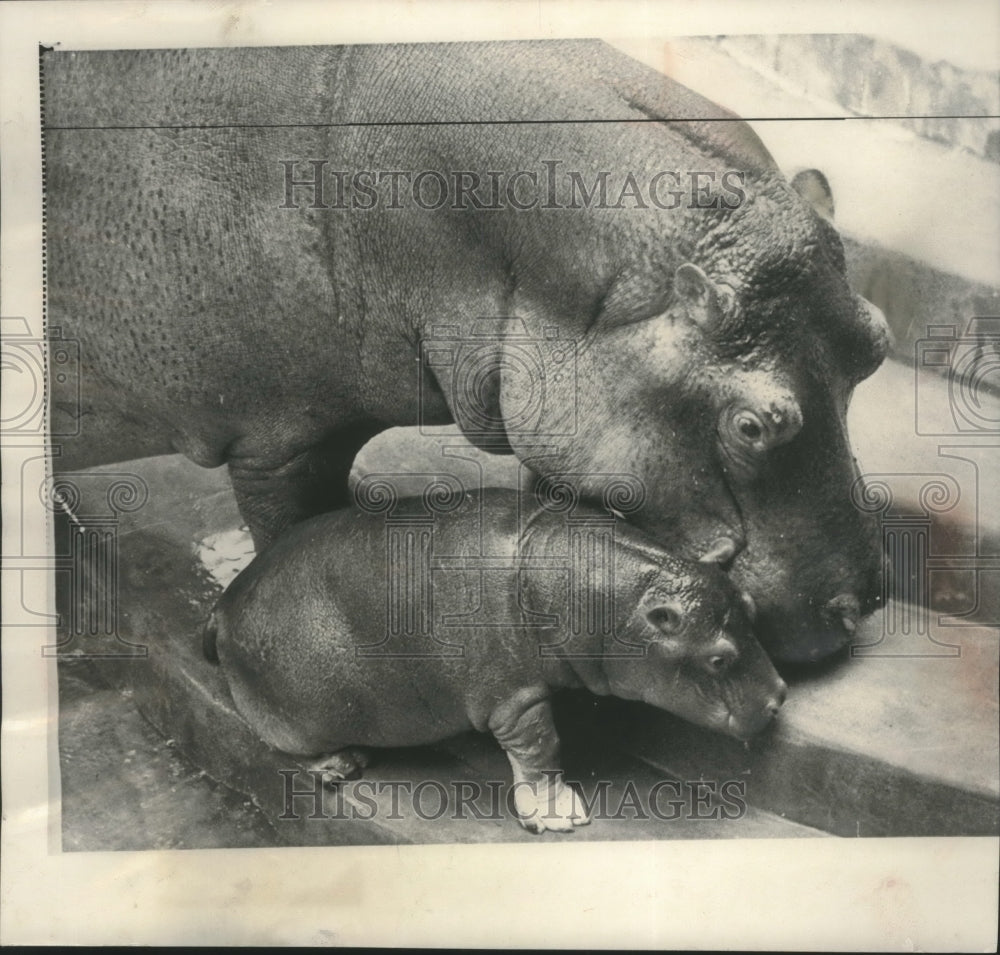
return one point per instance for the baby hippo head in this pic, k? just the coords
(701, 661)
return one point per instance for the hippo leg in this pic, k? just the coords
(311, 482)
(524, 727)
(344, 764)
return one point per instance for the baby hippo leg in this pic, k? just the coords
(524, 727)
(344, 764)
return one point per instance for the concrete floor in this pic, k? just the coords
(125, 786)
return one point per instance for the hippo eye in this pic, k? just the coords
(749, 427)
(718, 663)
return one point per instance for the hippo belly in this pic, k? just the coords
(327, 704)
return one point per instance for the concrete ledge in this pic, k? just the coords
(873, 77)
(126, 786)
(901, 742)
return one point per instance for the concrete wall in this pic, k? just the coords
(872, 77)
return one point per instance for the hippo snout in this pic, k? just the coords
(755, 720)
(810, 632)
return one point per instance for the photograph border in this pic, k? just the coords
(828, 894)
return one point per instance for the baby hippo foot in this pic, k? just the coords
(524, 727)
(549, 804)
(340, 766)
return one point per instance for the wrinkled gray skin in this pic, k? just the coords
(716, 349)
(304, 639)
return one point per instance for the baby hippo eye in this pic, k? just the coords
(720, 657)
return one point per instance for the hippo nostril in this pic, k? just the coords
(871, 597)
(774, 704)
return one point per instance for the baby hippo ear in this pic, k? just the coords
(749, 606)
(667, 617)
(699, 295)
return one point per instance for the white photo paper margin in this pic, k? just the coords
(864, 894)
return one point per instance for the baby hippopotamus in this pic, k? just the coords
(354, 630)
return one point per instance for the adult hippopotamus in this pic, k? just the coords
(307, 646)
(269, 255)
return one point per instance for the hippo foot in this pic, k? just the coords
(549, 805)
(340, 766)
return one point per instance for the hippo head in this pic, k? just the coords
(701, 661)
(719, 380)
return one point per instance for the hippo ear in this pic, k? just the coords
(698, 293)
(814, 188)
(720, 551)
